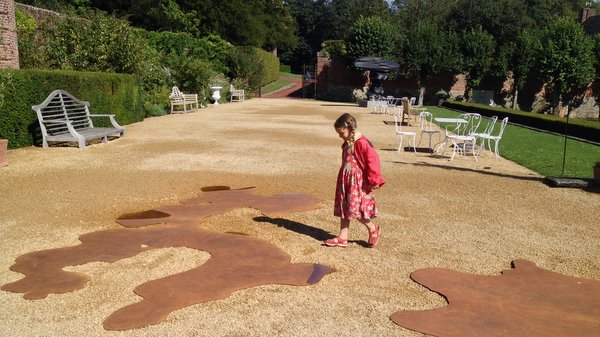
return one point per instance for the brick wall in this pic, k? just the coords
(9, 50)
(336, 81)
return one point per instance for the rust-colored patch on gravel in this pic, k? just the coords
(524, 301)
(464, 215)
(237, 261)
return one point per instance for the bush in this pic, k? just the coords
(107, 93)
(255, 65)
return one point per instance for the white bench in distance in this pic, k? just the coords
(189, 102)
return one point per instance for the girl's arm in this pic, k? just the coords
(368, 159)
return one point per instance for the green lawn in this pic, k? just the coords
(540, 151)
(274, 86)
(280, 83)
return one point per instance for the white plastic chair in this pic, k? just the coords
(427, 126)
(494, 138)
(401, 134)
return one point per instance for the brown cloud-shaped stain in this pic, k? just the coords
(237, 261)
(523, 301)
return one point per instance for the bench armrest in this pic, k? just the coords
(113, 121)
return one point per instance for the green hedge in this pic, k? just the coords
(255, 65)
(584, 129)
(107, 93)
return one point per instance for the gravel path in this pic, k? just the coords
(465, 215)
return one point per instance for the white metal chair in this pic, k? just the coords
(379, 105)
(427, 126)
(392, 104)
(488, 129)
(401, 134)
(494, 138)
(462, 138)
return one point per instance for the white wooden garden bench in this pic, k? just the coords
(189, 102)
(64, 118)
(236, 95)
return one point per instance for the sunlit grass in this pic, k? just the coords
(273, 86)
(542, 152)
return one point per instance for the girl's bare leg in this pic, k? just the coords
(369, 224)
(344, 226)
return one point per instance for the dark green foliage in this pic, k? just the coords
(567, 60)
(428, 49)
(107, 93)
(371, 37)
(477, 48)
(211, 48)
(256, 66)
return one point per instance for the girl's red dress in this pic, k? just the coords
(359, 172)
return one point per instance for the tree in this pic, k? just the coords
(596, 52)
(428, 50)
(409, 12)
(477, 49)
(542, 13)
(566, 61)
(371, 37)
(524, 58)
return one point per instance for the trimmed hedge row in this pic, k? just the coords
(107, 93)
(584, 129)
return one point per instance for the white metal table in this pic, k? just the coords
(444, 142)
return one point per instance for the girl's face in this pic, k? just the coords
(344, 133)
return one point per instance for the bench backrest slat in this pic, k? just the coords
(60, 105)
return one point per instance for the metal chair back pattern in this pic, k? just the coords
(427, 126)
(491, 137)
(400, 134)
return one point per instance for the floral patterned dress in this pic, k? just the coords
(351, 199)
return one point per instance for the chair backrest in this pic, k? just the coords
(413, 100)
(397, 122)
(490, 125)
(471, 126)
(502, 127)
(426, 119)
(406, 104)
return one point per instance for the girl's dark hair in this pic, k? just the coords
(347, 121)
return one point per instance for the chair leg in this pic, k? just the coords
(496, 148)
(414, 141)
(400, 145)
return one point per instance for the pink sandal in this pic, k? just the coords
(336, 242)
(374, 237)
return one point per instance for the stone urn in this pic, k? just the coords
(3, 152)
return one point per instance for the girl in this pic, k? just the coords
(359, 175)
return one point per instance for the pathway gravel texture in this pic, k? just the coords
(466, 215)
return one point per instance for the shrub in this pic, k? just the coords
(254, 65)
